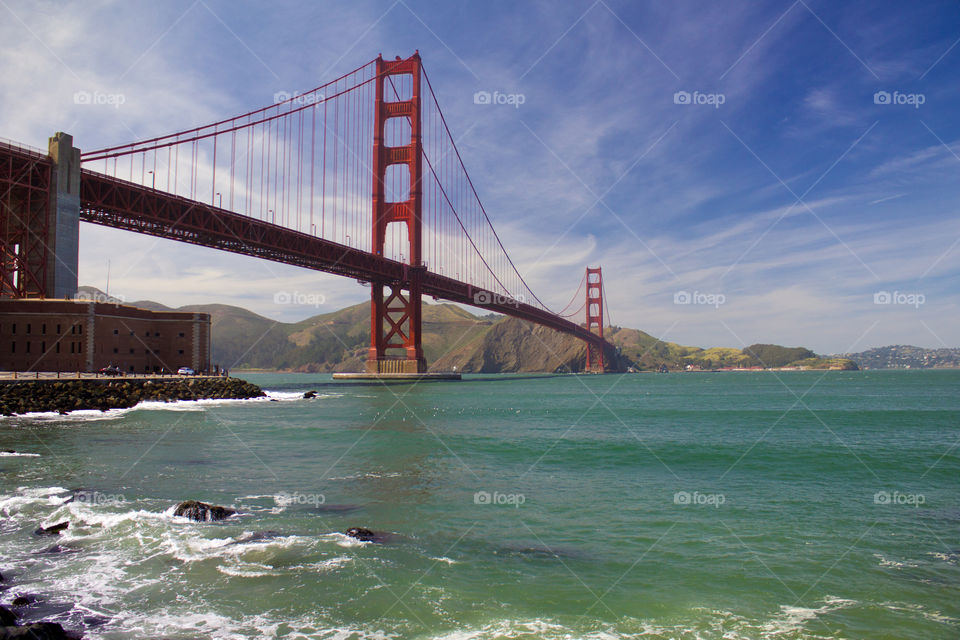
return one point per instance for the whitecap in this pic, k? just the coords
(343, 540)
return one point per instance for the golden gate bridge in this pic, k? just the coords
(359, 177)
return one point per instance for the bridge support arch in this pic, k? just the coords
(395, 309)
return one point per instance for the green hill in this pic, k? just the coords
(454, 338)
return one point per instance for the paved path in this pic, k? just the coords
(53, 375)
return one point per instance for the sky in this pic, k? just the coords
(744, 172)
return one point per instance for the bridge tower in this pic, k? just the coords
(40, 220)
(395, 314)
(595, 318)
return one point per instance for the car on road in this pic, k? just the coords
(110, 370)
(186, 371)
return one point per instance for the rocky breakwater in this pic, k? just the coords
(63, 396)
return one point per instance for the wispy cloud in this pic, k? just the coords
(683, 203)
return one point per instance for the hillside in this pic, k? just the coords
(906, 357)
(454, 338)
(646, 353)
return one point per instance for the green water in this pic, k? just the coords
(739, 505)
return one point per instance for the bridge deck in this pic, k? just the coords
(125, 205)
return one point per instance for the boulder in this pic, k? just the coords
(55, 549)
(7, 617)
(364, 535)
(35, 631)
(257, 536)
(203, 512)
(52, 530)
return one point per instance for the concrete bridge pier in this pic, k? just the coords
(64, 218)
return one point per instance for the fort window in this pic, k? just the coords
(131, 349)
(28, 328)
(58, 329)
(28, 346)
(116, 332)
(181, 334)
(13, 347)
(58, 347)
(43, 329)
(14, 325)
(115, 350)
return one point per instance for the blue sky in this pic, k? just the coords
(782, 164)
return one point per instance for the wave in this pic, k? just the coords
(17, 454)
(370, 475)
(789, 622)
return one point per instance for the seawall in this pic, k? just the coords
(28, 396)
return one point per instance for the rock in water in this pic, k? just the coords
(364, 535)
(57, 548)
(35, 631)
(52, 530)
(7, 617)
(257, 536)
(310, 395)
(203, 512)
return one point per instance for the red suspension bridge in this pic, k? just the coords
(359, 177)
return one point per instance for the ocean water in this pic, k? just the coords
(738, 505)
